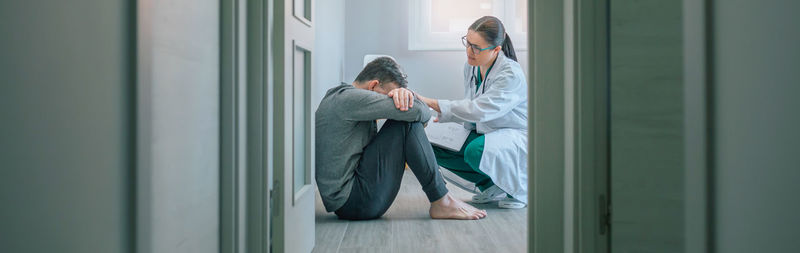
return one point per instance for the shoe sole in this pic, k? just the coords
(511, 205)
(484, 201)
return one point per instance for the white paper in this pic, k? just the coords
(446, 135)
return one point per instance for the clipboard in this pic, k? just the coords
(450, 136)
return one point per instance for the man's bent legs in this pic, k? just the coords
(380, 171)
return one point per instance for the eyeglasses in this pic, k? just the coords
(475, 48)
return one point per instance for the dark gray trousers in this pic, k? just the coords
(380, 170)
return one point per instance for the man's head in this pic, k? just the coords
(381, 75)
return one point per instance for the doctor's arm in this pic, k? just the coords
(506, 93)
(432, 103)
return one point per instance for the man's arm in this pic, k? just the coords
(365, 105)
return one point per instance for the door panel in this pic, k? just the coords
(302, 129)
(646, 142)
(293, 225)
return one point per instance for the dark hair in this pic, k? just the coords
(493, 31)
(385, 70)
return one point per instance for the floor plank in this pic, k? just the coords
(505, 228)
(372, 234)
(329, 230)
(407, 227)
(364, 250)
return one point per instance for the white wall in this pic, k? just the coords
(329, 41)
(381, 27)
(179, 64)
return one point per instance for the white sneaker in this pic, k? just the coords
(490, 194)
(511, 203)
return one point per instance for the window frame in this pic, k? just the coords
(421, 39)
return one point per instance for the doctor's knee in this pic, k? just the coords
(472, 155)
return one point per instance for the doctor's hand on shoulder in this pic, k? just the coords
(403, 98)
(432, 103)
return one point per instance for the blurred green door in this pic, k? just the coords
(67, 76)
(646, 126)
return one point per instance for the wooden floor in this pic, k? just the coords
(406, 227)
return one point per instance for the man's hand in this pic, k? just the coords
(403, 98)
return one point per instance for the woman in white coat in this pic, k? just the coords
(495, 108)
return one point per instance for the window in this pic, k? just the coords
(439, 24)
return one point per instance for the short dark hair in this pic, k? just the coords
(385, 70)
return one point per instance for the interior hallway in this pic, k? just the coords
(406, 227)
(144, 126)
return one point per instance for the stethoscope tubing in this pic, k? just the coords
(474, 79)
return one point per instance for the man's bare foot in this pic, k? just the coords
(451, 208)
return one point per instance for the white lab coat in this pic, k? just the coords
(499, 110)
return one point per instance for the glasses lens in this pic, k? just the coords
(472, 48)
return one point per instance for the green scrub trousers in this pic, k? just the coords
(465, 163)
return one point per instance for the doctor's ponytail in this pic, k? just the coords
(493, 31)
(508, 48)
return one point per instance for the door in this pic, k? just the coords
(293, 226)
(755, 167)
(646, 126)
(66, 149)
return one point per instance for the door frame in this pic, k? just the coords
(590, 144)
(245, 135)
(546, 146)
(587, 165)
(698, 126)
(569, 148)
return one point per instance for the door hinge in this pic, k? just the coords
(274, 210)
(604, 214)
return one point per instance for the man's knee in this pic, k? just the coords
(405, 125)
(416, 126)
(402, 123)
(392, 124)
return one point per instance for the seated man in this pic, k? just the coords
(358, 170)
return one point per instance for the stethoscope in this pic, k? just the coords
(474, 79)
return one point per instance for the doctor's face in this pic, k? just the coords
(479, 52)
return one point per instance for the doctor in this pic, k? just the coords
(495, 108)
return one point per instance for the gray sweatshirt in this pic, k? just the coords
(345, 124)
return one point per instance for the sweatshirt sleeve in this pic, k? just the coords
(365, 105)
